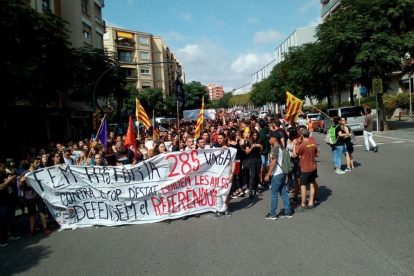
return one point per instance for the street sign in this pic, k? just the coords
(377, 86)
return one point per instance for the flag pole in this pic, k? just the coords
(321, 111)
(137, 115)
(103, 119)
(178, 122)
(153, 125)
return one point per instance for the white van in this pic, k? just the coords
(352, 114)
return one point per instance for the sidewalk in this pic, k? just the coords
(398, 130)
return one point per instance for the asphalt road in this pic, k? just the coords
(364, 226)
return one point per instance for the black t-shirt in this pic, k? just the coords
(339, 140)
(238, 148)
(254, 153)
(216, 145)
(126, 157)
(9, 194)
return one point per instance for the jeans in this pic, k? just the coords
(368, 138)
(279, 186)
(337, 151)
(254, 165)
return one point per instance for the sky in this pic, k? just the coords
(216, 41)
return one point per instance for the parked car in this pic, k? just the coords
(263, 114)
(313, 116)
(318, 123)
(255, 113)
(352, 113)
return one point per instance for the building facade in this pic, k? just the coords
(329, 7)
(138, 47)
(86, 27)
(215, 91)
(297, 38)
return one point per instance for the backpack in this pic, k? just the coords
(331, 138)
(287, 164)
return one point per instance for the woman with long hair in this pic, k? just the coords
(159, 148)
(44, 161)
(56, 158)
(236, 189)
(290, 147)
(84, 157)
(253, 150)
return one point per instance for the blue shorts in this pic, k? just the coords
(265, 160)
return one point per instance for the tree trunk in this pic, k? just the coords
(329, 101)
(382, 118)
(351, 95)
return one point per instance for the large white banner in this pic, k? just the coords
(190, 115)
(167, 186)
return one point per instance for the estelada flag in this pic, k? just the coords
(293, 107)
(130, 142)
(141, 115)
(200, 121)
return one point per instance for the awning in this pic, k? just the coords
(129, 66)
(124, 35)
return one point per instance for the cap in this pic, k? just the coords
(67, 149)
(274, 134)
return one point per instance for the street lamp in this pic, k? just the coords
(111, 68)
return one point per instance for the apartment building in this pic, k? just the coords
(139, 47)
(86, 26)
(215, 91)
(297, 38)
(329, 7)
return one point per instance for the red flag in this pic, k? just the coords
(130, 142)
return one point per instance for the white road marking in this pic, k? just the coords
(376, 135)
(398, 142)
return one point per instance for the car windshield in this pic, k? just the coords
(311, 116)
(352, 111)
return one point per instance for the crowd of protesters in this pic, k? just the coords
(259, 144)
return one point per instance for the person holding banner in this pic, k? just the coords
(34, 200)
(159, 148)
(124, 156)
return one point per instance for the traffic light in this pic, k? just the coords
(96, 119)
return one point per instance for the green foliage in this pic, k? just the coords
(403, 100)
(150, 98)
(389, 101)
(240, 100)
(369, 101)
(345, 103)
(37, 58)
(193, 93)
(223, 102)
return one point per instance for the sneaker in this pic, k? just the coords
(227, 213)
(217, 215)
(246, 191)
(234, 196)
(367, 151)
(184, 218)
(311, 207)
(269, 216)
(288, 215)
(11, 238)
(301, 209)
(317, 201)
(46, 231)
(3, 244)
(74, 228)
(31, 234)
(340, 172)
(294, 200)
(241, 194)
(260, 186)
(376, 148)
(348, 169)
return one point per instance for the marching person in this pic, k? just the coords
(369, 130)
(277, 178)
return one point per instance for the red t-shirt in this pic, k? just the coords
(307, 151)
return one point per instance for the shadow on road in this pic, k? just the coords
(245, 203)
(324, 193)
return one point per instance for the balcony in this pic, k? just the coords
(127, 44)
(328, 7)
(46, 7)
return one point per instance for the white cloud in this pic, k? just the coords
(309, 5)
(112, 24)
(265, 37)
(185, 16)
(252, 19)
(250, 63)
(315, 22)
(207, 62)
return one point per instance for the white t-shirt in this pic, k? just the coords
(277, 170)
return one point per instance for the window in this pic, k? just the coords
(46, 5)
(146, 86)
(85, 4)
(143, 40)
(124, 56)
(98, 13)
(143, 55)
(333, 113)
(99, 41)
(86, 31)
(352, 112)
(145, 70)
(129, 73)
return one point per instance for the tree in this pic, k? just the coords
(37, 59)
(88, 66)
(150, 98)
(193, 93)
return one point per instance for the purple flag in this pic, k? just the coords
(103, 133)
